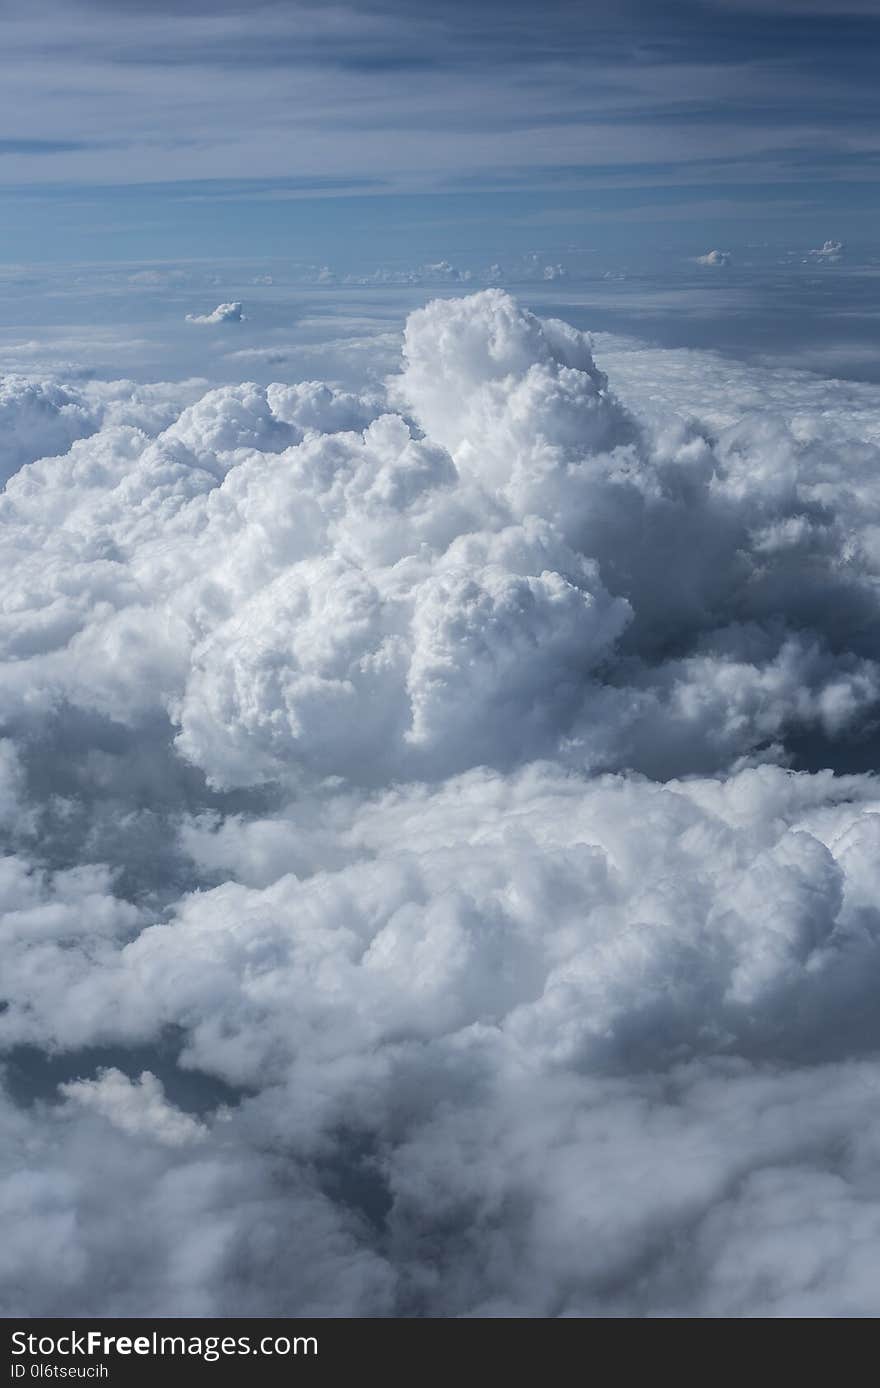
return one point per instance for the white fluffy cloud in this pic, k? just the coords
(138, 1108)
(408, 860)
(829, 253)
(223, 313)
(41, 418)
(715, 258)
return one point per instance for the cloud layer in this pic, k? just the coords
(428, 887)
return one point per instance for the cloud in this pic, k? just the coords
(434, 272)
(527, 97)
(442, 270)
(508, 1008)
(441, 867)
(37, 418)
(138, 1108)
(829, 253)
(223, 313)
(719, 259)
(41, 418)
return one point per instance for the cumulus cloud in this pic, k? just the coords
(138, 1108)
(41, 418)
(716, 258)
(443, 270)
(442, 842)
(38, 417)
(829, 253)
(223, 313)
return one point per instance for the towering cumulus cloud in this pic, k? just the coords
(442, 849)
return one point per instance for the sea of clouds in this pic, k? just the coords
(467, 785)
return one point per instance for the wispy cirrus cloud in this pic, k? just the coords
(453, 88)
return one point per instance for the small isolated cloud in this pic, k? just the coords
(716, 258)
(223, 313)
(442, 270)
(263, 279)
(829, 253)
(555, 272)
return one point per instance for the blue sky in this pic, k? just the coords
(372, 133)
